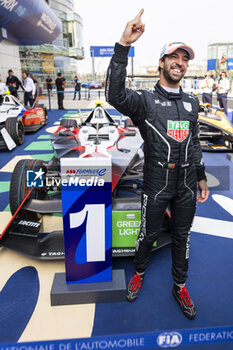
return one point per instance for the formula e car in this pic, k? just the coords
(36, 228)
(15, 120)
(215, 129)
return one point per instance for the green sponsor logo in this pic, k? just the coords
(125, 228)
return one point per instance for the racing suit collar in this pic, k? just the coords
(166, 94)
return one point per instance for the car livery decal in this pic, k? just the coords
(178, 130)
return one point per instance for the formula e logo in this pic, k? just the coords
(87, 172)
(178, 130)
(35, 178)
(169, 339)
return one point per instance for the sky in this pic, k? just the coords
(196, 23)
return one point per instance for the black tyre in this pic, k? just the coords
(15, 128)
(46, 115)
(69, 123)
(19, 189)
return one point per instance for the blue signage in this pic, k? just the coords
(28, 22)
(107, 51)
(151, 340)
(87, 219)
(211, 64)
(229, 63)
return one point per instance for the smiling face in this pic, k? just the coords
(173, 68)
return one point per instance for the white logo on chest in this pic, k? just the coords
(187, 106)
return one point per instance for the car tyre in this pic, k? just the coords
(45, 115)
(19, 189)
(15, 128)
(69, 123)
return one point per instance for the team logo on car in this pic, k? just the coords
(178, 130)
(187, 106)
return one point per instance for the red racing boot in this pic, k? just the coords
(187, 305)
(134, 286)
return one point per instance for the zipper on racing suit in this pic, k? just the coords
(180, 162)
(178, 170)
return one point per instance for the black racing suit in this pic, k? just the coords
(173, 160)
(13, 83)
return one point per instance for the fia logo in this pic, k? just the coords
(169, 339)
(35, 178)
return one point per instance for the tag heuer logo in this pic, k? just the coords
(178, 130)
(187, 106)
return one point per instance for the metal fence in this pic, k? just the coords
(49, 99)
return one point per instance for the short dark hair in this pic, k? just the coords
(59, 74)
(27, 74)
(162, 59)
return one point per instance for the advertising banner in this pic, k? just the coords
(28, 22)
(211, 64)
(107, 51)
(170, 339)
(47, 63)
(230, 64)
(87, 219)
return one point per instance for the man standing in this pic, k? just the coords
(222, 91)
(36, 86)
(207, 88)
(3, 90)
(29, 89)
(13, 83)
(77, 88)
(60, 85)
(167, 120)
(49, 84)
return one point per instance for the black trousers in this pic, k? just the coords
(207, 98)
(14, 93)
(79, 94)
(28, 98)
(60, 98)
(179, 190)
(222, 99)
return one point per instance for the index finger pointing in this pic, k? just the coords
(139, 14)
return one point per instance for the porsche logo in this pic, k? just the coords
(187, 106)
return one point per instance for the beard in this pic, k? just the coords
(169, 77)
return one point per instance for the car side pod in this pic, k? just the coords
(87, 222)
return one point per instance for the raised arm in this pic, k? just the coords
(126, 101)
(133, 30)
